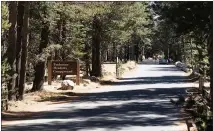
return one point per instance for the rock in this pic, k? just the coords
(178, 64)
(182, 66)
(94, 79)
(67, 85)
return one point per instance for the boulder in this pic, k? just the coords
(182, 66)
(67, 85)
(94, 79)
(178, 64)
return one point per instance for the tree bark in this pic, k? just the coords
(11, 51)
(128, 53)
(59, 37)
(114, 52)
(143, 52)
(25, 35)
(20, 16)
(40, 66)
(96, 41)
(64, 38)
(87, 58)
(136, 52)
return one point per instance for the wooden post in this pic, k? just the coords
(117, 71)
(49, 72)
(201, 85)
(77, 73)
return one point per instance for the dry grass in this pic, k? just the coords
(109, 70)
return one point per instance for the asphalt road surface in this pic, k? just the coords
(138, 102)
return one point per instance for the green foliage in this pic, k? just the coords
(42, 57)
(182, 31)
(186, 15)
(123, 24)
(5, 68)
(4, 17)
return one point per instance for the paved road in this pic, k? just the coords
(138, 102)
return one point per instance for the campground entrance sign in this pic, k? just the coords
(63, 68)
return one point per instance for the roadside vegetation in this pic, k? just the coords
(95, 33)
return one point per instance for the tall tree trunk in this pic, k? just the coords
(96, 42)
(143, 52)
(136, 52)
(183, 49)
(191, 49)
(125, 53)
(40, 66)
(114, 52)
(107, 54)
(25, 35)
(128, 52)
(11, 51)
(20, 16)
(64, 38)
(59, 37)
(210, 53)
(87, 58)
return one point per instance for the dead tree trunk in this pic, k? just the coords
(11, 51)
(25, 39)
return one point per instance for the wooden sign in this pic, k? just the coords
(63, 68)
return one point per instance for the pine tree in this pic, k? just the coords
(24, 48)
(41, 65)
(11, 51)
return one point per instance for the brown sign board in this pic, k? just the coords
(63, 68)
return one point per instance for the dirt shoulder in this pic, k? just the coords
(35, 103)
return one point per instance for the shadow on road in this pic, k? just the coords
(148, 80)
(112, 110)
(165, 69)
(121, 109)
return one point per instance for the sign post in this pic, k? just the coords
(77, 73)
(117, 71)
(49, 73)
(63, 68)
